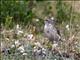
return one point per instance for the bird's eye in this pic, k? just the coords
(46, 20)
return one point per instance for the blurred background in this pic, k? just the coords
(21, 27)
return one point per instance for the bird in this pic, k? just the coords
(50, 31)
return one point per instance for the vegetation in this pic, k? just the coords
(21, 27)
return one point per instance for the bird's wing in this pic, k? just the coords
(58, 31)
(54, 33)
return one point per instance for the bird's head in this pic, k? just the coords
(50, 20)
